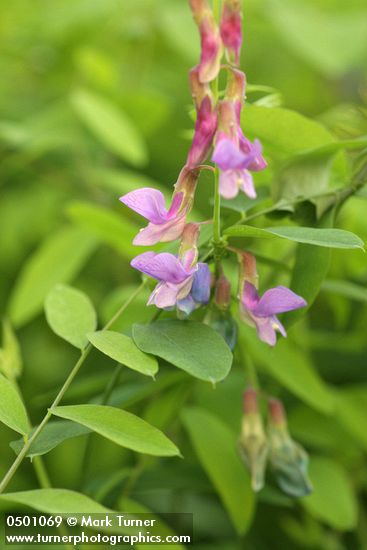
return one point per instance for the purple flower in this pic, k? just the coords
(164, 225)
(236, 156)
(182, 282)
(231, 29)
(261, 312)
(211, 42)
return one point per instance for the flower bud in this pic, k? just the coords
(231, 29)
(248, 272)
(206, 120)
(186, 184)
(288, 459)
(188, 248)
(236, 86)
(253, 445)
(222, 292)
(211, 42)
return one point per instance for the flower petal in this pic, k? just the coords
(176, 203)
(228, 184)
(278, 300)
(147, 202)
(227, 155)
(247, 184)
(250, 296)
(164, 232)
(186, 305)
(266, 330)
(164, 267)
(164, 295)
(201, 284)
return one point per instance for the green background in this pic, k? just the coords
(94, 102)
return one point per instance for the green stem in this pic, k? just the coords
(23, 453)
(216, 212)
(41, 472)
(105, 398)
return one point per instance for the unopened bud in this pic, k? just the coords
(222, 292)
(231, 29)
(288, 459)
(211, 42)
(236, 86)
(248, 272)
(188, 248)
(253, 445)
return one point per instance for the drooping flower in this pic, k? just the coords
(234, 154)
(211, 42)
(253, 444)
(261, 312)
(288, 459)
(183, 282)
(164, 225)
(206, 120)
(231, 29)
(219, 314)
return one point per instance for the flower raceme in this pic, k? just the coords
(183, 282)
(164, 225)
(261, 312)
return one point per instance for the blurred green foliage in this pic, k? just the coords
(94, 102)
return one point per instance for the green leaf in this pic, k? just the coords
(347, 289)
(121, 427)
(303, 176)
(326, 434)
(12, 411)
(111, 126)
(121, 348)
(291, 367)
(70, 314)
(10, 354)
(329, 238)
(333, 501)
(51, 436)
(56, 501)
(111, 228)
(283, 131)
(310, 269)
(351, 411)
(215, 446)
(242, 203)
(58, 260)
(331, 41)
(193, 347)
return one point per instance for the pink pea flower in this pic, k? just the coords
(211, 42)
(261, 312)
(206, 121)
(164, 225)
(183, 282)
(234, 154)
(231, 29)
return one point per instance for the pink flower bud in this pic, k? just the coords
(211, 42)
(222, 292)
(231, 29)
(206, 121)
(253, 444)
